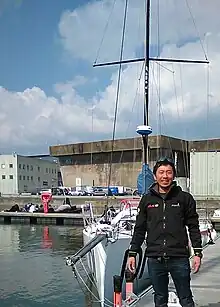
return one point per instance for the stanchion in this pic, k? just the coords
(129, 278)
(117, 281)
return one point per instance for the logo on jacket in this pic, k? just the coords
(153, 206)
(175, 205)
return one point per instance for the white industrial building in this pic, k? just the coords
(204, 174)
(20, 174)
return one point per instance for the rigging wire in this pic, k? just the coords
(183, 143)
(105, 30)
(161, 107)
(178, 114)
(194, 22)
(158, 80)
(135, 100)
(117, 93)
(133, 105)
(207, 126)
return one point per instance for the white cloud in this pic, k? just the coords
(81, 30)
(30, 118)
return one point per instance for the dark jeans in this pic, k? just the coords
(179, 269)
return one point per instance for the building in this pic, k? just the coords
(89, 163)
(20, 174)
(204, 168)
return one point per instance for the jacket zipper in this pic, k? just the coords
(164, 224)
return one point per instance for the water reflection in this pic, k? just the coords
(33, 271)
(62, 239)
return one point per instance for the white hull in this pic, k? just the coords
(105, 243)
(105, 261)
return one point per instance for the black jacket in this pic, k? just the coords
(165, 222)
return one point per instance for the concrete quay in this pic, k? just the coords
(6, 202)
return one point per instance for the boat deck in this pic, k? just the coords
(205, 284)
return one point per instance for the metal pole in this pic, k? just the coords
(146, 80)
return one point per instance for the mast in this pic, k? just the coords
(146, 80)
(144, 130)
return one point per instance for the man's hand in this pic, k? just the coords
(131, 265)
(196, 264)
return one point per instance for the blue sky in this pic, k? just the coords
(51, 94)
(31, 53)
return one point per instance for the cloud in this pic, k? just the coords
(30, 121)
(82, 30)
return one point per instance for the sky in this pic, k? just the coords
(51, 94)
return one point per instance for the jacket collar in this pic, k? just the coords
(174, 189)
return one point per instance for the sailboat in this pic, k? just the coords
(106, 239)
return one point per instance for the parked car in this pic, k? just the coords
(98, 191)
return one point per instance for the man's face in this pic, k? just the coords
(164, 176)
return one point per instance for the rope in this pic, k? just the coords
(92, 281)
(117, 94)
(87, 288)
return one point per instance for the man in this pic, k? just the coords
(164, 214)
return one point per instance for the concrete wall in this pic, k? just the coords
(97, 175)
(94, 169)
(159, 141)
(90, 162)
(205, 145)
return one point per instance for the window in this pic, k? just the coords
(52, 171)
(19, 166)
(38, 168)
(23, 166)
(10, 165)
(10, 176)
(31, 178)
(27, 177)
(31, 167)
(23, 177)
(3, 176)
(46, 170)
(38, 179)
(27, 167)
(19, 177)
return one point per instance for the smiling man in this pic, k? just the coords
(164, 214)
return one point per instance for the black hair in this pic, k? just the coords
(164, 161)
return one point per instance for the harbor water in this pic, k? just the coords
(33, 271)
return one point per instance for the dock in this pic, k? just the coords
(42, 218)
(205, 284)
